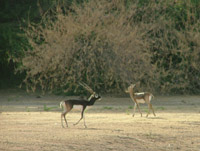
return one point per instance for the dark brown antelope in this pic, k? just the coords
(142, 97)
(68, 104)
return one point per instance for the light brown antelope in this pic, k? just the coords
(68, 104)
(143, 97)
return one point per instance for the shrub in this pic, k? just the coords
(110, 44)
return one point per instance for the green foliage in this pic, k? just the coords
(13, 16)
(12, 41)
(130, 107)
(174, 42)
(160, 108)
(107, 107)
(45, 108)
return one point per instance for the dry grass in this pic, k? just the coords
(107, 131)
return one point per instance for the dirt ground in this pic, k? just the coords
(32, 122)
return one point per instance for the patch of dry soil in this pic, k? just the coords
(25, 124)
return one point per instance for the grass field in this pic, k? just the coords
(32, 122)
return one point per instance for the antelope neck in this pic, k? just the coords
(92, 101)
(131, 94)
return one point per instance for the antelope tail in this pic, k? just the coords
(61, 104)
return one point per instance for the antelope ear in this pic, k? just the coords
(132, 85)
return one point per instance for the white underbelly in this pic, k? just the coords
(140, 101)
(80, 107)
(77, 106)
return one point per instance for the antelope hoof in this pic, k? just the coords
(75, 124)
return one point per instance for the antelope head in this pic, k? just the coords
(93, 93)
(130, 88)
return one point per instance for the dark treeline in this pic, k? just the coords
(14, 15)
(107, 44)
(12, 41)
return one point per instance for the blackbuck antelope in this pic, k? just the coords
(143, 97)
(68, 104)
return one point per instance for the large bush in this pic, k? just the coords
(93, 42)
(109, 44)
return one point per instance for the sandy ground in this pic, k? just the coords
(32, 122)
